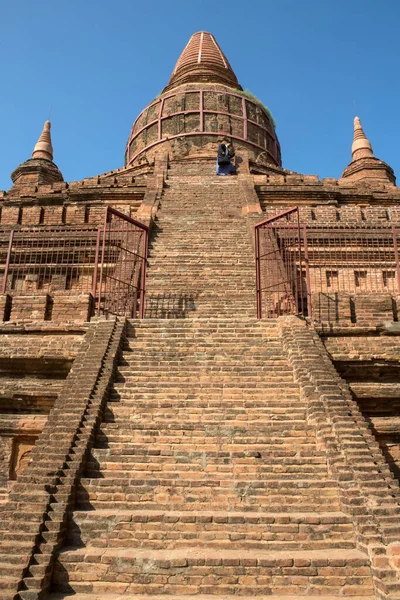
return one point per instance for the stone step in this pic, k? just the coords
(208, 380)
(265, 402)
(177, 353)
(118, 470)
(215, 401)
(155, 529)
(204, 408)
(116, 592)
(262, 486)
(256, 351)
(10, 567)
(247, 341)
(164, 444)
(269, 395)
(7, 591)
(202, 418)
(107, 500)
(307, 455)
(267, 326)
(227, 433)
(204, 571)
(164, 367)
(204, 443)
(170, 497)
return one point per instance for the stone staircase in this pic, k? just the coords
(201, 258)
(206, 479)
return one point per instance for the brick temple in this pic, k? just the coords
(200, 378)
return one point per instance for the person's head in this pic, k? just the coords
(223, 147)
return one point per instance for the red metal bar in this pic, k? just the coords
(102, 260)
(244, 112)
(121, 215)
(258, 275)
(282, 261)
(10, 243)
(159, 119)
(300, 263)
(307, 264)
(396, 255)
(96, 264)
(201, 111)
(143, 277)
(271, 219)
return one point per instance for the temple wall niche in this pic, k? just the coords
(20, 455)
(33, 369)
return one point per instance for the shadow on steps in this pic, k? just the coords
(169, 306)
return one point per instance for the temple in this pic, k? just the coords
(200, 375)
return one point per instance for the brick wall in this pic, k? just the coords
(363, 309)
(34, 362)
(49, 482)
(58, 307)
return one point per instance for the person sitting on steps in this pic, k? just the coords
(224, 160)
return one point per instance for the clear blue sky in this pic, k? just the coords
(97, 64)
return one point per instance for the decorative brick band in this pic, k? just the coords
(58, 307)
(366, 486)
(43, 494)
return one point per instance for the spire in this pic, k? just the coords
(364, 165)
(202, 60)
(361, 147)
(39, 169)
(43, 148)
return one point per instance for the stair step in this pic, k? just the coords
(161, 529)
(201, 570)
(113, 592)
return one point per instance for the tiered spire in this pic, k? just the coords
(361, 146)
(44, 148)
(39, 169)
(364, 165)
(202, 60)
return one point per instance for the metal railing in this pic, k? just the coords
(295, 262)
(107, 261)
(123, 260)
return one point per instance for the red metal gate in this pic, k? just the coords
(108, 261)
(119, 282)
(302, 268)
(283, 285)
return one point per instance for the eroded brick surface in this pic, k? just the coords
(199, 452)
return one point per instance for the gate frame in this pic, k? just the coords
(268, 224)
(97, 282)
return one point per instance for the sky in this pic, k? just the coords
(91, 66)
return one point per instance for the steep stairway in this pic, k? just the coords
(201, 261)
(206, 478)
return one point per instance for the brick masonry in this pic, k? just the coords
(200, 452)
(176, 198)
(39, 500)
